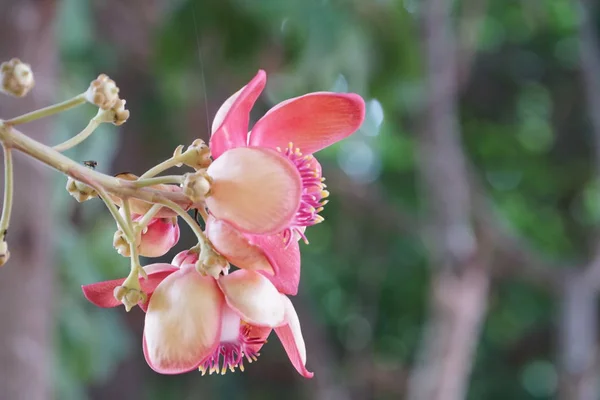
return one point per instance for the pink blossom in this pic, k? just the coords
(267, 181)
(195, 321)
(249, 232)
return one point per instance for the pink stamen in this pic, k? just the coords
(313, 193)
(230, 355)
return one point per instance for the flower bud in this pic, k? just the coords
(158, 237)
(196, 186)
(80, 191)
(103, 92)
(211, 263)
(129, 297)
(120, 112)
(16, 78)
(4, 253)
(199, 155)
(186, 257)
(121, 244)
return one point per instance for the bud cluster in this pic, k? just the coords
(16, 78)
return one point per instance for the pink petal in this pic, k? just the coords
(291, 338)
(183, 322)
(101, 293)
(311, 122)
(159, 237)
(284, 260)
(234, 246)
(253, 297)
(254, 189)
(233, 117)
(264, 253)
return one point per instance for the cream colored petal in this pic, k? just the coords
(254, 297)
(254, 189)
(183, 322)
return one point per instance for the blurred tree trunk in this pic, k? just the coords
(460, 282)
(26, 31)
(577, 339)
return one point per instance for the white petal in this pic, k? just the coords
(183, 322)
(254, 297)
(257, 190)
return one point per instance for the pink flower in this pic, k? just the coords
(158, 237)
(195, 321)
(268, 187)
(267, 181)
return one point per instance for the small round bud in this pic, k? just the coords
(103, 92)
(211, 263)
(196, 186)
(121, 244)
(80, 191)
(16, 78)
(120, 112)
(199, 155)
(4, 253)
(129, 297)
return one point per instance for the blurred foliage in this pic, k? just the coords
(365, 278)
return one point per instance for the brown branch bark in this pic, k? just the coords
(460, 278)
(26, 31)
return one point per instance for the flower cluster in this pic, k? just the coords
(257, 191)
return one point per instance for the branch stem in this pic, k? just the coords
(8, 191)
(47, 111)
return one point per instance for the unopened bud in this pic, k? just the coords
(196, 186)
(186, 257)
(121, 244)
(120, 112)
(103, 92)
(211, 263)
(199, 155)
(4, 253)
(80, 191)
(16, 78)
(129, 297)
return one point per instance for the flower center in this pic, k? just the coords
(313, 193)
(230, 354)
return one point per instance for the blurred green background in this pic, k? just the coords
(365, 288)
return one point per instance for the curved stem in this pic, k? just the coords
(188, 219)
(203, 213)
(8, 191)
(125, 227)
(143, 182)
(46, 111)
(80, 137)
(163, 166)
(142, 223)
(128, 220)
